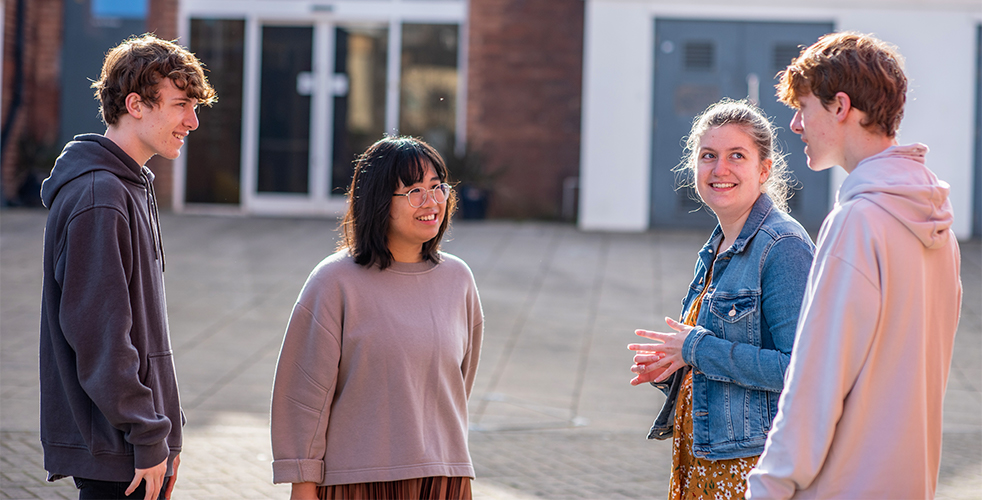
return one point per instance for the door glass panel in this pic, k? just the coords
(428, 93)
(359, 97)
(287, 83)
(214, 150)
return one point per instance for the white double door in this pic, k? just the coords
(322, 96)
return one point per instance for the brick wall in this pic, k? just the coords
(33, 127)
(523, 102)
(162, 21)
(30, 94)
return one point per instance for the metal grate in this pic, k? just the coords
(699, 55)
(687, 201)
(784, 53)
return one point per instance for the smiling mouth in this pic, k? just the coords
(426, 218)
(722, 185)
(180, 136)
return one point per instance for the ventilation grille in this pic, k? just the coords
(687, 201)
(784, 53)
(699, 56)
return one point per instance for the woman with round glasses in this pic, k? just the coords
(379, 357)
(722, 367)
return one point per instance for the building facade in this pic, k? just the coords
(555, 109)
(304, 86)
(651, 65)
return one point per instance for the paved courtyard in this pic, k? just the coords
(552, 413)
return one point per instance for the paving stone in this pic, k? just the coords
(552, 411)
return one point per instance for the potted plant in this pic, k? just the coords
(473, 181)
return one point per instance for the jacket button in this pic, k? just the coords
(732, 312)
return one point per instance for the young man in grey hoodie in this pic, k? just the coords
(110, 413)
(860, 416)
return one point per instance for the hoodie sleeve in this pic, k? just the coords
(96, 264)
(835, 332)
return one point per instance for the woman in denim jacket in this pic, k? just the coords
(723, 366)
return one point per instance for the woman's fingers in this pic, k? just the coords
(652, 373)
(652, 335)
(675, 325)
(648, 357)
(645, 347)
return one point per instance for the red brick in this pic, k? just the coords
(36, 117)
(523, 103)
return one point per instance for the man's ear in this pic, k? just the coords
(134, 105)
(841, 105)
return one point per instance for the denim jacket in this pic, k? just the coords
(741, 346)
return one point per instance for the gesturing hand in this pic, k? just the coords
(655, 362)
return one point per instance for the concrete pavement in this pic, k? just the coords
(552, 412)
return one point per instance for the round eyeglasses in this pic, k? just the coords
(417, 196)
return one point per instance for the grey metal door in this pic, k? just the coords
(700, 62)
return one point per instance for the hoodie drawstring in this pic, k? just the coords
(158, 241)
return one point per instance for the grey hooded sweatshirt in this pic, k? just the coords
(109, 398)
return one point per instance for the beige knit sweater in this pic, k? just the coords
(374, 373)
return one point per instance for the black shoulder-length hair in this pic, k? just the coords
(378, 171)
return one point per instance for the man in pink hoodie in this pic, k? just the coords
(860, 416)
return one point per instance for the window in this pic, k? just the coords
(125, 9)
(428, 96)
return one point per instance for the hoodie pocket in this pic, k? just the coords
(104, 438)
(162, 381)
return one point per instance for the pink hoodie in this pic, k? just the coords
(861, 413)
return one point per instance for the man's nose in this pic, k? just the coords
(192, 120)
(796, 123)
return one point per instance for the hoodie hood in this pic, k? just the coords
(897, 181)
(87, 153)
(91, 152)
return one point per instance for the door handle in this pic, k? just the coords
(753, 88)
(306, 81)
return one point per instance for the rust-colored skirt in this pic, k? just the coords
(419, 488)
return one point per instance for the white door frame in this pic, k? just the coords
(324, 17)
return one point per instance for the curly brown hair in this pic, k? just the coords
(137, 64)
(870, 71)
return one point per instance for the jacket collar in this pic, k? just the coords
(761, 209)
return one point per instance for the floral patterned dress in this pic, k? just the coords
(694, 477)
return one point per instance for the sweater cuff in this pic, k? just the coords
(147, 456)
(298, 471)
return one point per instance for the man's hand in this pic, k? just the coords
(173, 479)
(154, 477)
